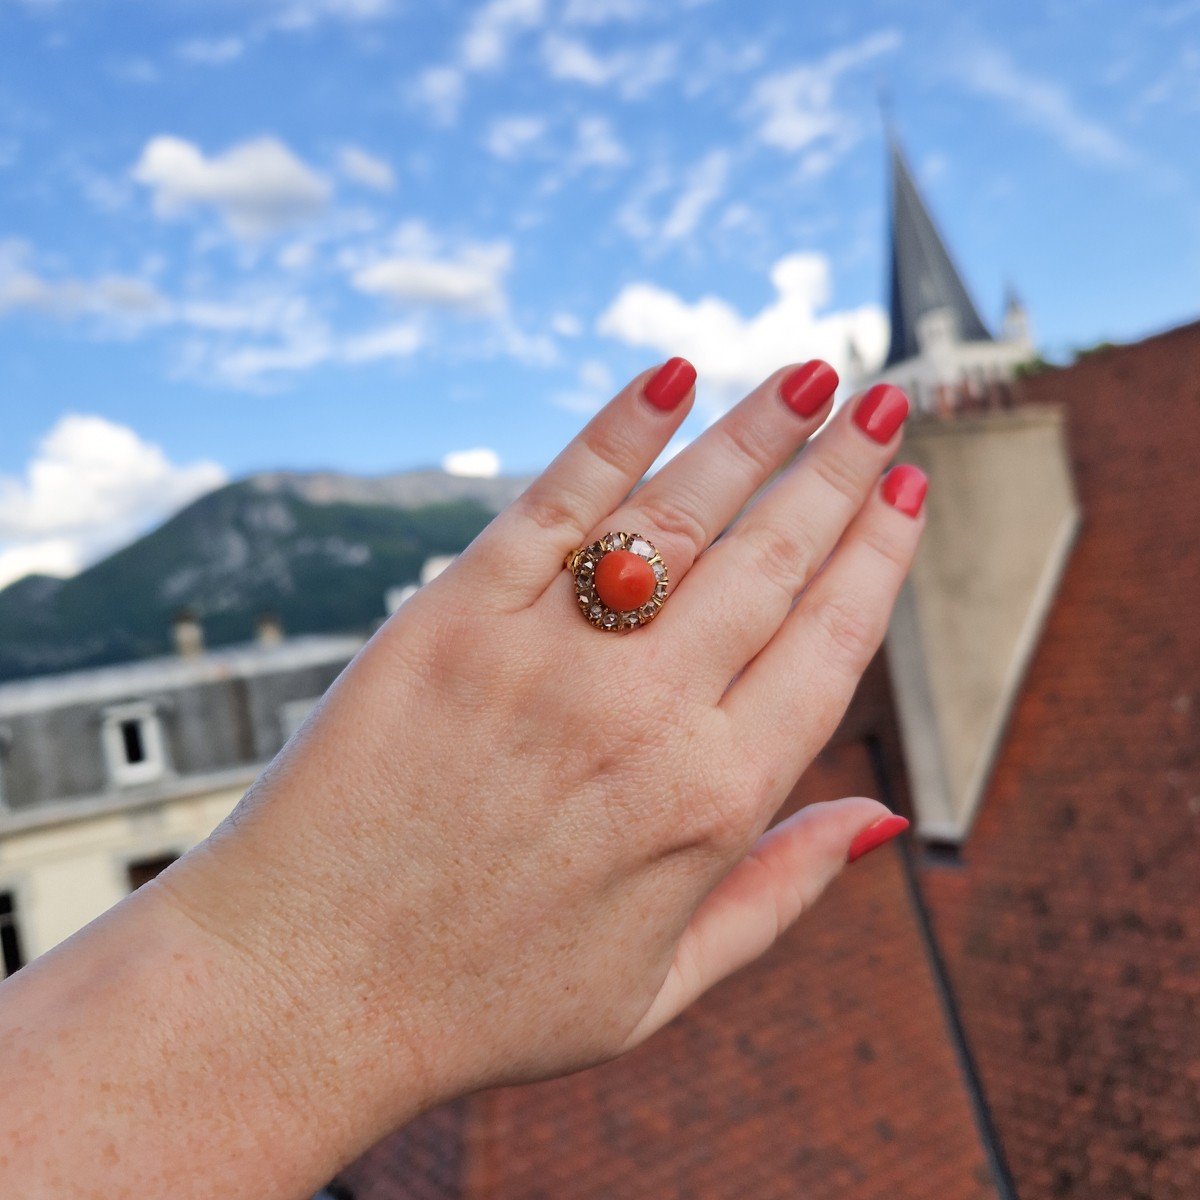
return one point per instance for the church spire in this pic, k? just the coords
(923, 277)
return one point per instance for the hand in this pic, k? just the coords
(509, 845)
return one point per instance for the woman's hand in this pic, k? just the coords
(508, 844)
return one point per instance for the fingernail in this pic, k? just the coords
(881, 412)
(807, 389)
(875, 835)
(904, 487)
(670, 383)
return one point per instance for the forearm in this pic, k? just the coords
(147, 1056)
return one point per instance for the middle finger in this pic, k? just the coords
(742, 589)
(688, 502)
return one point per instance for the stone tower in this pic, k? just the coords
(941, 351)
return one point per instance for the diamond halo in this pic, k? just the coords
(582, 564)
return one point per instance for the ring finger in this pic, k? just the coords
(684, 507)
(740, 593)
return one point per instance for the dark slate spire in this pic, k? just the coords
(923, 277)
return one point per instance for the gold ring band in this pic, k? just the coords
(629, 591)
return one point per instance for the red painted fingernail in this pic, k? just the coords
(807, 389)
(671, 382)
(881, 412)
(904, 487)
(875, 835)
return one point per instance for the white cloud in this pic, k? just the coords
(569, 58)
(733, 352)
(634, 215)
(479, 463)
(485, 45)
(120, 300)
(139, 71)
(537, 349)
(303, 14)
(472, 282)
(594, 387)
(702, 186)
(259, 186)
(566, 325)
(257, 366)
(248, 366)
(797, 109)
(705, 184)
(392, 341)
(441, 90)
(602, 12)
(633, 74)
(108, 195)
(512, 137)
(212, 52)
(493, 26)
(91, 485)
(365, 169)
(297, 255)
(48, 556)
(119, 297)
(596, 144)
(1041, 103)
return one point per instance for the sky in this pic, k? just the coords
(371, 235)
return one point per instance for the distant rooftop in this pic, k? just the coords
(170, 672)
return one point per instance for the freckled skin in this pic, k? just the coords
(507, 846)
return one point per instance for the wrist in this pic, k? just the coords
(330, 1042)
(180, 1046)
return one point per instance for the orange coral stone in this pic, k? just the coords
(624, 580)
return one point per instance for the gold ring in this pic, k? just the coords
(620, 581)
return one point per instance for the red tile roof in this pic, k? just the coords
(1071, 926)
(823, 1072)
(1072, 929)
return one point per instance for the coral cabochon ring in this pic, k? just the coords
(620, 581)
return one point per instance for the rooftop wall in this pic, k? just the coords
(1001, 517)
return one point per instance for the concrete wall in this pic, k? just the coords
(65, 875)
(1002, 515)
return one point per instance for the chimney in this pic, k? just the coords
(269, 629)
(187, 634)
(1000, 520)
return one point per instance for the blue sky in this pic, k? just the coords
(368, 234)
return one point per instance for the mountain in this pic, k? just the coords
(319, 549)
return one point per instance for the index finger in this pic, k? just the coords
(523, 549)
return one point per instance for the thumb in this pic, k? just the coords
(783, 875)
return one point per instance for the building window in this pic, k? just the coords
(10, 934)
(133, 744)
(145, 869)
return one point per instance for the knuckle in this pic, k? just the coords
(851, 633)
(747, 443)
(551, 510)
(779, 556)
(721, 824)
(790, 900)
(884, 546)
(611, 447)
(840, 475)
(721, 812)
(674, 518)
(762, 784)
